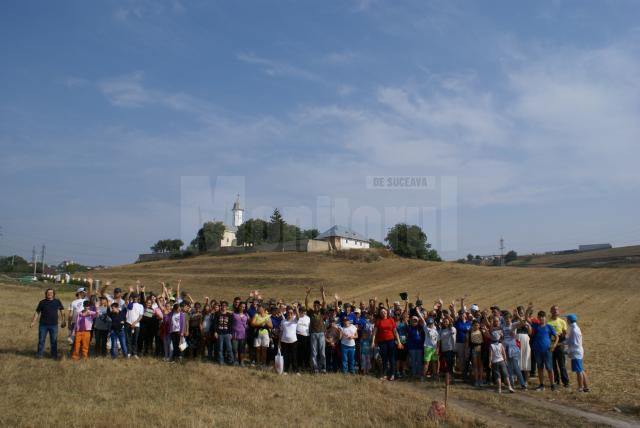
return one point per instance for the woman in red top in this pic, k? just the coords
(386, 337)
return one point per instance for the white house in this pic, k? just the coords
(229, 236)
(342, 238)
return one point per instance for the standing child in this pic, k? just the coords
(82, 331)
(348, 336)
(497, 362)
(365, 350)
(576, 352)
(118, 320)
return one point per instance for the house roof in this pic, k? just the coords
(342, 232)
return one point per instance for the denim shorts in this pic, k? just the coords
(576, 365)
(544, 360)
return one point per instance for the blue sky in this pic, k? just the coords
(524, 116)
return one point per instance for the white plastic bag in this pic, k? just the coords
(183, 344)
(279, 362)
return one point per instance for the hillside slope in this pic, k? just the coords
(612, 257)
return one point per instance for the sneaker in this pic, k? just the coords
(541, 387)
(136, 357)
(566, 385)
(553, 387)
(392, 378)
(511, 391)
(585, 389)
(523, 387)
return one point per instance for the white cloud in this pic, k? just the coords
(278, 68)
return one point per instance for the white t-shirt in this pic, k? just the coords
(431, 337)
(76, 307)
(496, 349)
(120, 301)
(347, 335)
(134, 313)
(574, 342)
(303, 326)
(448, 339)
(288, 329)
(175, 322)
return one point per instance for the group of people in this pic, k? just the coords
(399, 340)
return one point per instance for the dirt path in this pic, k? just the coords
(492, 415)
(595, 418)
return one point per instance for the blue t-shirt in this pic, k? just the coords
(462, 327)
(542, 337)
(415, 340)
(275, 322)
(251, 312)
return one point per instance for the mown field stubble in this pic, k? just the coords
(123, 393)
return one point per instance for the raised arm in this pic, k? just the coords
(306, 298)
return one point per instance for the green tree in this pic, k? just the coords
(15, 264)
(167, 245)
(376, 244)
(510, 257)
(277, 228)
(411, 241)
(252, 232)
(310, 233)
(209, 236)
(469, 257)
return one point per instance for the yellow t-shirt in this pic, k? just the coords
(559, 325)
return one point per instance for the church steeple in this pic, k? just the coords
(237, 212)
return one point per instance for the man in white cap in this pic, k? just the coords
(75, 308)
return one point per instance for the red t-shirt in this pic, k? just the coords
(385, 329)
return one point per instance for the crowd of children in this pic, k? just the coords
(404, 340)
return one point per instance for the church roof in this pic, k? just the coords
(342, 232)
(236, 205)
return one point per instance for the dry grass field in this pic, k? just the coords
(613, 257)
(42, 392)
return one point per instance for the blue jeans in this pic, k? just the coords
(118, 336)
(388, 353)
(224, 346)
(416, 361)
(513, 365)
(318, 361)
(53, 339)
(348, 358)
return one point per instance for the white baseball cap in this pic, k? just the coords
(81, 290)
(474, 307)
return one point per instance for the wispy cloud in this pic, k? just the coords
(278, 68)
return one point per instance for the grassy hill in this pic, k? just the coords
(612, 257)
(606, 300)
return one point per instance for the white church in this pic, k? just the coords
(335, 238)
(229, 236)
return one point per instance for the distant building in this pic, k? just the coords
(593, 247)
(342, 238)
(229, 236)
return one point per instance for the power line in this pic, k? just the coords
(42, 257)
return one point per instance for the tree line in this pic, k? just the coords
(404, 240)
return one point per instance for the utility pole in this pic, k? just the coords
(501, 251)
(42, 257)
(34, 259)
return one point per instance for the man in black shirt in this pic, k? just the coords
(48, 309)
